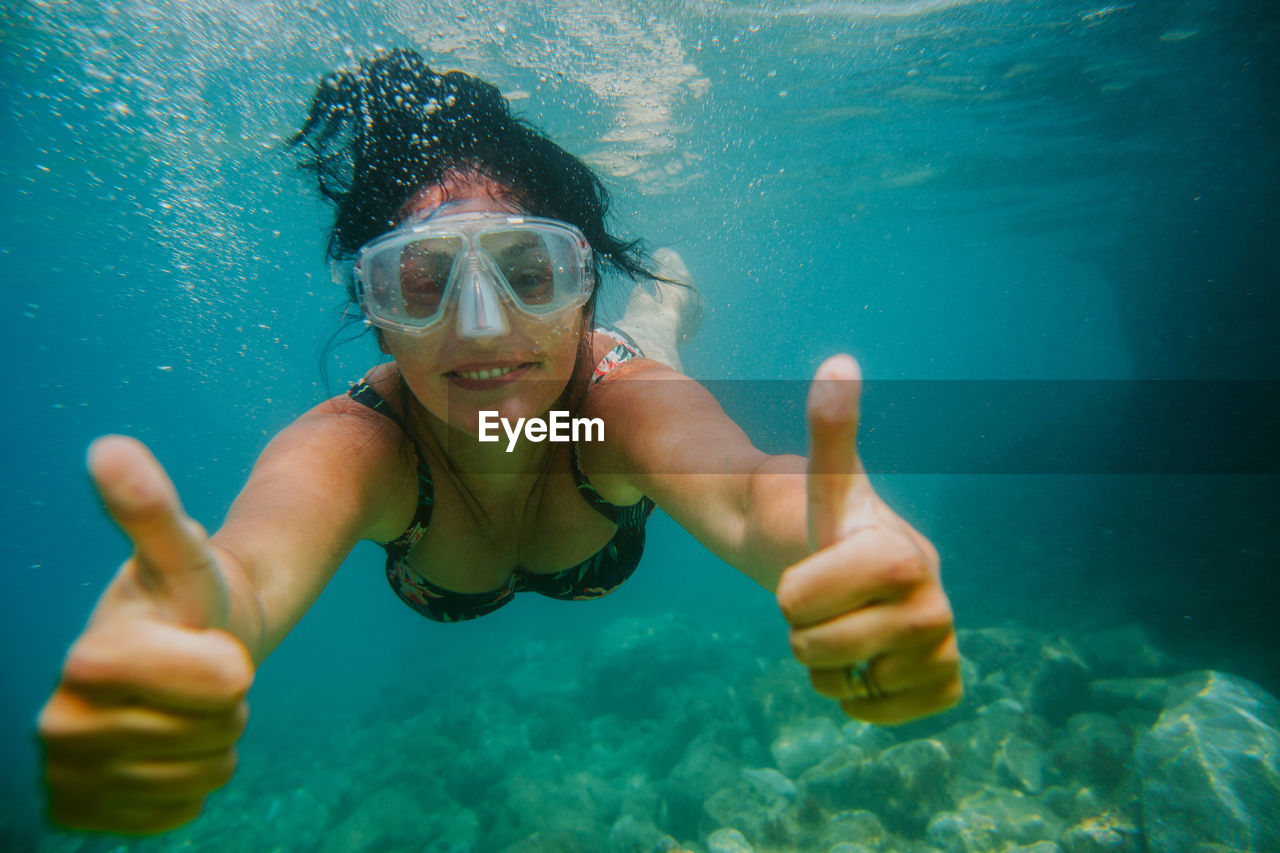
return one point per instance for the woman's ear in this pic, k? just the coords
(382, 342)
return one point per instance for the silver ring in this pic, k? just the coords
(863, 683)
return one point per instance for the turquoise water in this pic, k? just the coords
(957, 193)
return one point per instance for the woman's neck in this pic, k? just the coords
(493, 474)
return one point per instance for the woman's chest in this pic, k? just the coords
(472, 545)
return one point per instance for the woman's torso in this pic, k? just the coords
(480, 546)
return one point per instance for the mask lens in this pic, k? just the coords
(425, 267)
(537, 265)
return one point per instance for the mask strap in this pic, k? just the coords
(427, 215)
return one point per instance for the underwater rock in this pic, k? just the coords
(982, 686)
(1073, 803)
(393, 818)
(706, 768)
(1106, 833)
(1094, 750)
(1021, 762)
(784, 696)
(979, 738)
(760, 803)
(631, 655)
(1060, 684)
(1210, 766)
(801, 746)
(470, 777)
(633, 835)
(298, 816)
(1044, 673)
(1124, 694)
(835, 781)
(549, 795)
(553, 841)
(996, 649)
(771, 781)
(867, 737)
(860, 830)
(728, 841)
(990, 819)
(907, 784)
(414, 742)
(613, 748)
(757, 810)
(1123, 651)
(641, 799)
(964, 833)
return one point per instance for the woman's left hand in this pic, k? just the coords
(868, 614)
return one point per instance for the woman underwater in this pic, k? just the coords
(476, 243)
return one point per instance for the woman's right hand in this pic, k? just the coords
(143, 724)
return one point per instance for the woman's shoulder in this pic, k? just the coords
(367, 414)
(343, 446)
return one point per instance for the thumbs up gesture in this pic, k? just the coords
(868, 614)
(143, 723)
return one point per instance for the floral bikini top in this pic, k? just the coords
(596, 576)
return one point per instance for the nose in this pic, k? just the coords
(480, 312)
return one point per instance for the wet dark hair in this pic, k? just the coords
(377, 134)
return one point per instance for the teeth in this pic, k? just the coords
(487, 373)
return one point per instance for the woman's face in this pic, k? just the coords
(520, 374)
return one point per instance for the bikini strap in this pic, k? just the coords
(362, 392)
(619, 355)
(625, 517)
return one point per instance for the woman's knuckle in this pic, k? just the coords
(232, 669)
(230, 681)
(929, 616)
(915, 626)
(931, 557)
(937, 616)
(223, 769)
(788, 595)
(949, 693)
(66, 722)
(232, 724)
(51, 722)
(902, 569)
(948, 655)
(801, 645)
(89, 663)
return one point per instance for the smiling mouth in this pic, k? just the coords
(488, 372)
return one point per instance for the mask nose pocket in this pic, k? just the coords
(480, 312)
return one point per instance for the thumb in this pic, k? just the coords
(174, 561)
(834, 468)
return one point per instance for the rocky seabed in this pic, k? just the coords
(661, 739)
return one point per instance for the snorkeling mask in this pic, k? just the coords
(472, 264)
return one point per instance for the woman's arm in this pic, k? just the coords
(339, 474)
(144, 721)
(859, 587)
(668, 438)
